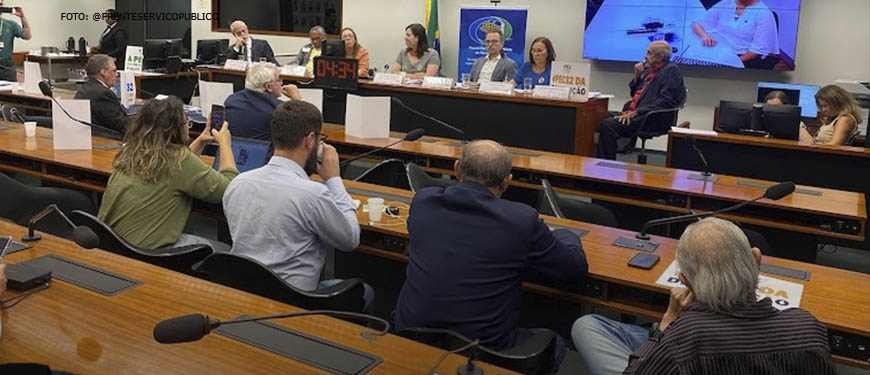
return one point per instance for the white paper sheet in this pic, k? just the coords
(68, 133)
(313, 96)
(32, 76)
(367, 117)
(213, 93)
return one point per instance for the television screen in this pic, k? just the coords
(800, 95)
(762, 35)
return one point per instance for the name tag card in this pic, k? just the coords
(574, 75)
(133, 59)
(552, 92)
(240, 65)
(389, 79)
(128, 88)
(501, 88)
(443, 83)
(293, 70)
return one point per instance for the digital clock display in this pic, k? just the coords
(336, 73)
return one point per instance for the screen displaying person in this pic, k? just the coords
(747, 26)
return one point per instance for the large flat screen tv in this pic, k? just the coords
(760, 34)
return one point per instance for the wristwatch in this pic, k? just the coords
(654, 333)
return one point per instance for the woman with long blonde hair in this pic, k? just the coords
(156, 177)
(841, 115)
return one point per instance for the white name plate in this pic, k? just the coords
(389, 79)
(552, 92)
(444, 83)
(502, 88)
(240, 65)
(293, 70)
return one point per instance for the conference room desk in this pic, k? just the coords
(34, 103)
(73, 329)
(77, 60)
(657, 188)
(837, 297)
(515, 120)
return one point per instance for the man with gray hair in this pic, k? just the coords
(247, 48)
(657, 84)
(469, 250)
(308, 52)
(106, 109)
(249, 111)
(716, 325)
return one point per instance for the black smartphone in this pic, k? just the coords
(6, 10)
(217, 116)
(644, 260)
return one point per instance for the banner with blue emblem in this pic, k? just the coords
(475, 22)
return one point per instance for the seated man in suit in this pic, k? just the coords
(106, 109)
(247, 48)
(716, 325)
(249, 111)
(280, 217)
(495, 66)
(113, 42)
(657, 84)
(469, 250)
(308, 52)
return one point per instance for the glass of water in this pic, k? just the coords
(527, 84)
(465, 78)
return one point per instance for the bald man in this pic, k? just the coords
(657, 84)
(469, 250)
(247, 48)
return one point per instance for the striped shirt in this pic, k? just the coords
(753, 339)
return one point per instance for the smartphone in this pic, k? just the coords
(644, 261)
(217, 116)
(6, 9)
(320, 153)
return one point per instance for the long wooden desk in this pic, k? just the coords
(657, 188)
(74, 329)
(516, 120)
(838, 298)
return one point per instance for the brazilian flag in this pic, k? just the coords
(433, 35)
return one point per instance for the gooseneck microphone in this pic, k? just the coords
(413, 135)
(45, 88)
(82, 235)
(189, 328)
(641, 240)
(458, 131)
(706, 176)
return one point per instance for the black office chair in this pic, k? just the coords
(419, 179)
(867, 137)
(534, 356)
(19, 202)
(179, 259)
(575, 210)
(249, 275)
(390, 172)
(654, 124)
(11, 114)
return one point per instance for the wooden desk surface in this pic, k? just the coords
(859, 152)
(73, 329)
(831, 202)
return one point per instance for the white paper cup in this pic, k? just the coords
(30, 128)
(376, 208)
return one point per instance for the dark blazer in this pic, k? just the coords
(260, 48)
(106, 109)
(665, 91)
(249, 114)
(114, 44)
(468, 253)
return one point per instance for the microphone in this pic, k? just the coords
(706, 176)
(641, 240)
(413, 135)
(189, 328)
(45, 88)
(398, 102)
(82, 235)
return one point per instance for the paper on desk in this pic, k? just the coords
(213, 93)
(68, 133)
(128, 89)
(694, 131)
(783, 294)
(313, 96)
(32, 76)
(367, 117)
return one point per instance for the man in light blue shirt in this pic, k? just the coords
(280, 217)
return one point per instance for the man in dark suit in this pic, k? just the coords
(469, 250)
(657, 84)
(249, 111)
(106, 110)
(113, 41)
(247, 48)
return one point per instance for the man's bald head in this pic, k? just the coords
(659, 51)
(486, 162)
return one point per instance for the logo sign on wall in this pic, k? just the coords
(475, 22)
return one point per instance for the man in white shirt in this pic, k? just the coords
(247, 48)
(748, 26)
(495, 66)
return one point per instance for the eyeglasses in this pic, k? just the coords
(492, 41)
(321, 136)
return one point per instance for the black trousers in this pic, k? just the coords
(610, 131)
